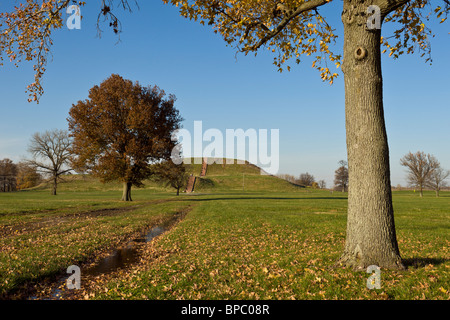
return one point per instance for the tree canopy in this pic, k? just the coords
(288, 28)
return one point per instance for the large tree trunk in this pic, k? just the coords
(371, 237)
(126, 195)
(55, 185)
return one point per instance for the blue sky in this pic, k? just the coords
(229, 91)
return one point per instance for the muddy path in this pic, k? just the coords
(58, 219)
(109, 262)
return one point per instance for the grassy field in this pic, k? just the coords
(245, 236)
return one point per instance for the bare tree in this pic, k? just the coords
(437, 179)
(51, 154)
(306, 179)
(420, 167)
(322, 184)
(341, 176)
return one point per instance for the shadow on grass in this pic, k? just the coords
(266, 198)
(422, 262)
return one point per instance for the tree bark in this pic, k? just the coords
(55, 185)
(126, 195)
(371, 237)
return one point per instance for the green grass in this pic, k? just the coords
(42, 235)
(273, 240)
(281, 246)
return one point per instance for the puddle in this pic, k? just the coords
(124, 256)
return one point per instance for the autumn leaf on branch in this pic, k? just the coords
(294, 28)
(413, 33)
(288, 28)
(25, 33)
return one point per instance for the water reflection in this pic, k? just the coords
(124, 256)
(119, 258)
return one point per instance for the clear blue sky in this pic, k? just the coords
(229, 91)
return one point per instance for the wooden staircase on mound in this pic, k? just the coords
(191, 182)
(204, 167)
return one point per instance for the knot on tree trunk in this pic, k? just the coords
(347, 16)
(360, 53)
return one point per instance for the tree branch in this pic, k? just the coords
(289, 16)
(387, 6)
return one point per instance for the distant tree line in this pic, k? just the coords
(424, 172)
(304, 179)
(307, 180)
(17, 176)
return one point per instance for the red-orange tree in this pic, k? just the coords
(120, 129)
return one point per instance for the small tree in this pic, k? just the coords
(306, 179)
(420, 167)
(437, 179)
(341, 176)
(322, 184)
(171, 175)
(120, 129)
(51, 154)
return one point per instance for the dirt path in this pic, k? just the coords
(46, 222)
(21, 228)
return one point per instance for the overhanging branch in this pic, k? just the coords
(387, 6)
(289, 16)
